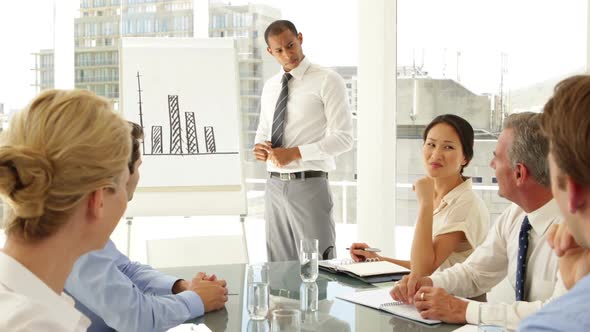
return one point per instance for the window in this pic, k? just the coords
(471, 63)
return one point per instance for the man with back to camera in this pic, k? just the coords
(120, 295)
(566, 122)
(304, 123)
(515, 246)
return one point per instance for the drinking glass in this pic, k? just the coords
(258, 291)
(308, 297)
(286, 320)
(258, 326)
(491, 317)
(308, 259)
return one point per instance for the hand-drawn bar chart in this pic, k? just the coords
(183, 138)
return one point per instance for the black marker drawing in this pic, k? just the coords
(141, 112)
(175, 132)
(210, 139)
(176, 141)
(156, 140)
(192, 145)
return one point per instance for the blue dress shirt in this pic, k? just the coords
(117, 294)
(567, 313)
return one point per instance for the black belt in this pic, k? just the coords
(298, 175)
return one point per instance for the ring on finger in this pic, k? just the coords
(422, 296)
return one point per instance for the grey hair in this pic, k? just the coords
(529, 146)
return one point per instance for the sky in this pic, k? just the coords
(542, 39)
(18, 39)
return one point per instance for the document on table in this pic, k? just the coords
(467, 328)
(371, 272)
(190, 328)
(381, 300)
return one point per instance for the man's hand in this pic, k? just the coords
(405, 289)
(574, 265)
(560, 239)
(574, 262)
(284, 156)
(360, 255)
(213, 293)
(180, 286)
(436, 303)
(261, 150)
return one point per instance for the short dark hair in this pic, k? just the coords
(136, 138)
(566, 122)
(463, 129)
(277, 27)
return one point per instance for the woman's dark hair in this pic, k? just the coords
(463, 129)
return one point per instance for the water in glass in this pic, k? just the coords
(258, 300)
(308, 297)
(308, 258)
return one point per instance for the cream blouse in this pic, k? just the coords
(461, 210)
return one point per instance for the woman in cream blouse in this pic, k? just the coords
(452, 219)
(63, 172)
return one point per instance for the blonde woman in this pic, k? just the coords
(452, 219)
(63, 172)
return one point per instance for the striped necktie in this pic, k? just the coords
(523, 246)
(278, 122)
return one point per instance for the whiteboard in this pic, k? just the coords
(185, 94)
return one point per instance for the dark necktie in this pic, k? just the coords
(278, 121)
(523, 246)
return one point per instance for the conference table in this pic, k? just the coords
(333, 314)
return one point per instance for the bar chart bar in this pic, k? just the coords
(191, 133)
(175, 130)
(210, 140)
(157, 140)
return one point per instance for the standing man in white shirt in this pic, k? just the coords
(516, 245)
(304, 123)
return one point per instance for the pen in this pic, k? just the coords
(367, 249)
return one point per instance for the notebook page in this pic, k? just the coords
(467, 328)
(373, 268)
(380, 299)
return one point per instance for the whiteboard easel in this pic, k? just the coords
(185, 93)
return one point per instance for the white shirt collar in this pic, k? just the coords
(457, 191)
(300, 70)
(541, 218)
(19, 279)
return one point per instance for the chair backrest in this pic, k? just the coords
(197, 251)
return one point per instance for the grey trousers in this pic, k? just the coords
(297, 209)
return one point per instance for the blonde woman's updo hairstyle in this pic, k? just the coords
(63, 146)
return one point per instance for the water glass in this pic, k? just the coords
(258, 291)
(308, 259)
(492, 317)
(258, 326)
(286, 320)
(308, 297)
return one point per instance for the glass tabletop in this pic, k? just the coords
(333, 314)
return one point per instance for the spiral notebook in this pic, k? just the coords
(381, 300)
(371, 271)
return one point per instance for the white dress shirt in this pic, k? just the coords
(496, 258)
(318, 119)
(461, 210)
(28, 304)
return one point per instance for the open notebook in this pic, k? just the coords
(380, 299)
(371, 272)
